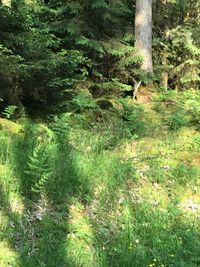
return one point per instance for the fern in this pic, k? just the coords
(84, 100)
(100, 4)
(9, 111)
(41, 162)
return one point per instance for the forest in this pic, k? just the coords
(99, 133)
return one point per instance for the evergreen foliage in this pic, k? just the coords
(107, 42)
(178, 42)
(52, 51)
(96, 178)
(35, 70)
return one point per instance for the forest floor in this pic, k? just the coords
(122, 192)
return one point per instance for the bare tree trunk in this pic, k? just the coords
(164, 80)
(143, 33)
(164, 75)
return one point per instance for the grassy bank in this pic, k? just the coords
(119, 188)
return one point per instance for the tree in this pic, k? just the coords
(107, 42)
(143, 33)
(35, 70)
(176, 43)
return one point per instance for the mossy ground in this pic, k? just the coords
(101, 194)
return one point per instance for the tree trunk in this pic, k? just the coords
(143, 33)
(164, 80)
(164, 76)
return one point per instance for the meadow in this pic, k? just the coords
(112, 188)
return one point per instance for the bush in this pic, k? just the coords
(176, 120)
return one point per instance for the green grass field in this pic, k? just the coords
(122, 192)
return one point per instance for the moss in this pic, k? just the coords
(10, 126)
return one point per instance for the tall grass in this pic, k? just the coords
(69, 197)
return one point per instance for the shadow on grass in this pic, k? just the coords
(47, 181)
(52, 229)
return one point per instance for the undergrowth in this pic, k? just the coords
(103, 190)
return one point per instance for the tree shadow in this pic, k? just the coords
(53, 223)
(39, 233)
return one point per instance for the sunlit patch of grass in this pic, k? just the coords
(154, 194)
(172, 158)
(153, 121)
(186, 133)
(185, 139)
(185, 174)
(16, 203)
(189, 196)
(10, 189)
(8, 256)
(11, 127)
(80, 242)
(195, 160)
(107, 200)
(149, 146)
(2, 169)
(185, 157)
(3, 221)
(153, 116)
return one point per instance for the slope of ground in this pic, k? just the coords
(123, 192)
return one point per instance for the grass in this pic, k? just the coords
(105, 194)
